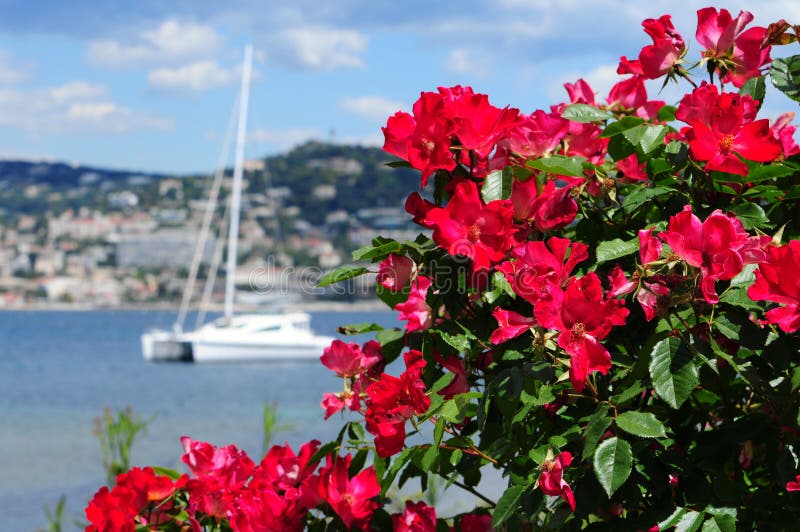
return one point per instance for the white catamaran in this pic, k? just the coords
(233, 338)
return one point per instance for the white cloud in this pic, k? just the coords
(10, 73)
(109, 117)
(319, 47)
(197, 76)
(375, 108)
(75, 107)
(468, 62)
(600, 79)
(282, 139)
(171, 42)
(76, 90)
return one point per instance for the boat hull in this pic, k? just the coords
(210, 351)
(163, 346)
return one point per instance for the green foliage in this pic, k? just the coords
(644, 424)
(559, 165)
(618, 379)
(580, 112)
(497, 185)
(672, 371)
(613, 460)
(116, 432)
(341, 274)
(616, 249)
(55, 517)
(785, 75)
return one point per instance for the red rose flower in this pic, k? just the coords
(719, 246)
(417, 517)
(394, 272)
(468, 227)
(353, 499)
(666, 51)
(552, 482)
(510, 324)
(416, 311)
(583, 318)
(722, 131)
(777, 280)
(392, 401)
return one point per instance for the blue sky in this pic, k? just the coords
(149, 84)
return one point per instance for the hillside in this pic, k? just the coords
(358, 176)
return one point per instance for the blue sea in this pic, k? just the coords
(58, 370)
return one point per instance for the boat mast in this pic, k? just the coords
(236, 193)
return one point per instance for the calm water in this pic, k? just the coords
(59, 369)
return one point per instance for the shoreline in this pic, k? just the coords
(311, 306)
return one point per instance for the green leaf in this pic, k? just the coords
(438, 432)
(455, 457)
(624, 124)
(642, 195)
(677, 153)
(399, 164)
(507, 505)
(429, 458)
(646, 137)
(785, 75)
(751, 215)
(635, 389)
(666, 113)
(167, 472)
(500, 287)
(392, 343)
(736, 294)
(581, 112)
(762, 172)
(727, 327)
(497, 185)
(613, 461)
(542, 396)
(643, 424)
(657, 167)
(596, 427)
(710, 526)
(614, 249)
(455, 409)
(324, 451)
(459, 342)
(619, 147)
(674, 376)
(379, 250)
(724, 518)
(672, 520)
(756, 88)
(398, 462)
(559, 165)
(341, 274)
(690, 522)
(359, 328)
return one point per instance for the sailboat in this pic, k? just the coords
(244, 337)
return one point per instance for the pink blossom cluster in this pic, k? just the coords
(275, 495)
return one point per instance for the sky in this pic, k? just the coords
(149, 85)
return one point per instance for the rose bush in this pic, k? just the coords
(606, 311)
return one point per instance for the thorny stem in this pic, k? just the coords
(593, 388)
(472, 449)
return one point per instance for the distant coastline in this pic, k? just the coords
(313, 306)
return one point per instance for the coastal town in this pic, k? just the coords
(78, 237)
